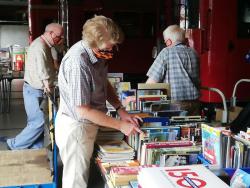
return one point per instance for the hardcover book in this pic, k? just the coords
(211, 143)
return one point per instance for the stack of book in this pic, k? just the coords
(106, 134)
(179, 176)
(169, 153)
(167, 145)
(178, 120)
(117, 150)
(190, 127)
(150, 94)
(105, 167)
(122, 175)
(153, 134)
(146, 102)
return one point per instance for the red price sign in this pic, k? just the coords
(186, 178)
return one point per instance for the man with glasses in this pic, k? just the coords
(39, 78)
(84, 89)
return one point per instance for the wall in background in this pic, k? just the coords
(13, 34)
(10, 35)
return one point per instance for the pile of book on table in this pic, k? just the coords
(153, 176)
(115, 150)
(118, 173)
(115, 158)
(165, 145)
(121, 176)
(106, 134)
(169, 153)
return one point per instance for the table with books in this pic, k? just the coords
(223, 149)
(166, 155)
(112, 155)
(168, 151)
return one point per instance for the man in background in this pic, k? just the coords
(178, 65)
(39, 78)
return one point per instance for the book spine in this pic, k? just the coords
(168, 144)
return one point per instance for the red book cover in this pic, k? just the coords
(150, 98)
(168, 144)
(125, 170)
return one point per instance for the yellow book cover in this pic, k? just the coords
(116, 146)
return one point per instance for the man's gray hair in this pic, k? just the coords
(52, 26)
(175, 33)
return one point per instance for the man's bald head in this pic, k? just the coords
(53, 27)
(54, 34)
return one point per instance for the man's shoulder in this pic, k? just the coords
(74, 55)
(193, 51)
(164, 51)
(189, 48)
(77, 49)
(184, 48)
(38, 44)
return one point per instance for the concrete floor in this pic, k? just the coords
(12, 123)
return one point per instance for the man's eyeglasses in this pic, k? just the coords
(58, 36)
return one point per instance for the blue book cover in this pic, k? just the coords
(162, 133)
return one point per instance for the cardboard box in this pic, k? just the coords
(233, 112)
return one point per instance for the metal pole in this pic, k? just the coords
(64, 17)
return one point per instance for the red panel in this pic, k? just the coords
(222, 58)
(194, 39)
(40, 15)
(134, 56)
